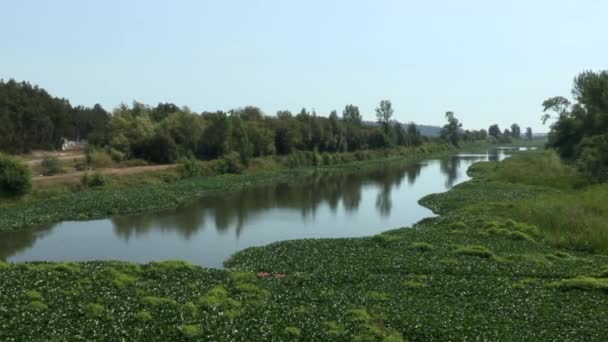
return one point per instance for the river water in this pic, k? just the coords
(207, 231)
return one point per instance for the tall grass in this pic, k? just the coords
(574, 217)
(538, 168)
(575, 220)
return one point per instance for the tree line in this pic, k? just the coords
(33, 119)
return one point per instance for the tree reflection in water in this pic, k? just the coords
(339, 194)
(306, 195)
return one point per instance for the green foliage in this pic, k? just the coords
(451, 131)
(160, 148)
(422, 246)
(99, 158)
(545, 169)
(230, 163)
(582, 283)
(191, 331)
(37, 305)
(351, 115)
(384, 113)
(33, 119)
(15, 177)
(475, 250)
(143, 316)
(93, 180)
(95, 309)
(579, 132)
(215, 141)
(51, 166)
(593, 157)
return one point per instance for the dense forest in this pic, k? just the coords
(165, 133)
(33, 119)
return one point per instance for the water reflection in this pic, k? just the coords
(207, 231)
(305, 195)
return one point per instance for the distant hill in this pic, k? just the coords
(429, 131)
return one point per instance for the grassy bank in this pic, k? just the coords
(472, 273)
(168, 189)
(539, 189)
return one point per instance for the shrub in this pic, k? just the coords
(190, 167)
(51, 166)
(230, 163)
(161, 148)
(134, 162)
(593, 157)
(15, 177)
(116, 155)
(94, 180)
(99, 159)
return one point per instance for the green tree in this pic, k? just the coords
(515, 131)
(413, 135)
(215, 141)
(15, 177)
(384, 113)
(529, 133)
(352, 115)
(240, 139)
(451, 131)
(579, 131)
(262, 139)
(160, 149)
(494, 131)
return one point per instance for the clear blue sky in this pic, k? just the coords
(489, 61)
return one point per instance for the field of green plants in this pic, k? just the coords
(473, 273)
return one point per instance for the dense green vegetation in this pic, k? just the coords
(166, 133)
(472, 273)
(540, 189)
(579, 133)
(33, 119)
(15, 177)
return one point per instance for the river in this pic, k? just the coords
(207, 231)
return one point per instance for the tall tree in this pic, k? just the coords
(494, 131)
(515, 131)
(384, 113)
(352, 115)
(451, 131)
(529, 133)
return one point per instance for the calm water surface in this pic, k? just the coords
(209, 230)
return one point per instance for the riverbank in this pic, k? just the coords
(170, 188)
(471, 273)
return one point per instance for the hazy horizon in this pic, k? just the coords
(487, 62)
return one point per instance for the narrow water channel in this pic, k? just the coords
(206, 232)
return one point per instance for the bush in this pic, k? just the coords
(593, 157)
(134, 162)
(99, 159)
(116, 155)
(51, 166)
(161, 149)
(190, 167)
(15, 177)
(94, 180)
(230, 163)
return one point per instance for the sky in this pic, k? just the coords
(488, 61)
